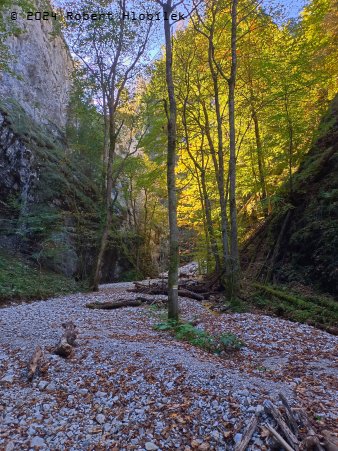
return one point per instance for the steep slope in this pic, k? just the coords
(49, 194)
(299, 242)
(49, 198)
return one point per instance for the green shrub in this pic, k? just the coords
(200, 338)
(230, 342)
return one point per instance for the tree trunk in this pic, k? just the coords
(105, 155)
(210, 227)
(108, 206)
(171, 176)
(259, 148)
(234, 253)
(106, 131)
(260, 161)
(205, 200)
(290, 132)
(220, 150)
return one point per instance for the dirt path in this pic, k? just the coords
(131, 387)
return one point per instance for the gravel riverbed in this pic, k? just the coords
(129, 387)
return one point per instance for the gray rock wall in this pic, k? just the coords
(43, 66)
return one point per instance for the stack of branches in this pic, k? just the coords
(186, 288)
(288, 428)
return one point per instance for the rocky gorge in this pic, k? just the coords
(48, 193)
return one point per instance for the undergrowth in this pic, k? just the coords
(20, 280)
(216, 344)
(316, 310)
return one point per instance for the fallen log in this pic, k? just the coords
(34, 362)
(114, 305)
(67, 341)
(242, 445)
(140, 300)
(181, 292)
(158, 290)
(289, 414)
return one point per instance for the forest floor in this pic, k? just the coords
(129, 386)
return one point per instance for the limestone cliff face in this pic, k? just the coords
(48, 199)
(42, 65)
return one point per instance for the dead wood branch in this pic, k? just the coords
(274, 412)
(181, 292)
(114, 305)
(279, 438)
(311, 440)
(298, 436)
(290, 416)
(331, 441)
(67, 341)
(242, 445)
(34, 362)
(70, 332)
(121, 303)
(162, 289)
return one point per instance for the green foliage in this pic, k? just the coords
(129, 276)
(21, 280)
(24, 126)
(8, 28)
(167, 325)
(237, 305)
(64, 216)
(200, 338)
(317, 310)
(230, 342)
(85, 128)
(288, 77)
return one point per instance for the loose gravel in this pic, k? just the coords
(129, 387)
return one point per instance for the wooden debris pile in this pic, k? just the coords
(65, 348)
(186, 288)
(286, 428)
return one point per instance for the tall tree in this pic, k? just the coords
(111, 51)
(167, 8)
(206, 26)
(234, 253)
